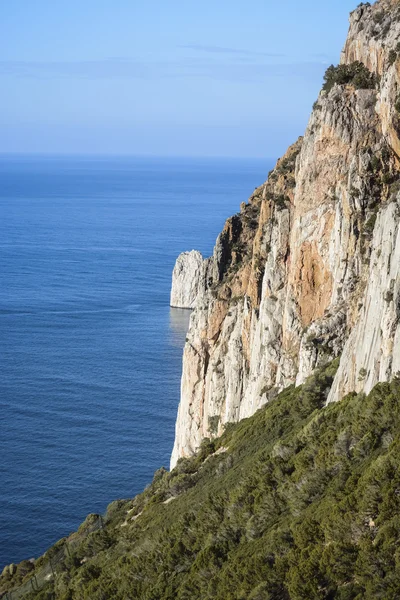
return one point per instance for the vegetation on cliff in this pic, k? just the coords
(298, 502)
(355, 74)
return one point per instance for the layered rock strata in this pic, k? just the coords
(308, 270)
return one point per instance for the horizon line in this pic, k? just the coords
(16, 153)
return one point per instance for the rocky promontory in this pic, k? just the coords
(186, 279)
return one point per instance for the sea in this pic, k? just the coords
(90, 351)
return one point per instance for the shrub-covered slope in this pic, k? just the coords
(297, 502)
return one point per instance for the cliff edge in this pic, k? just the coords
(308, 270)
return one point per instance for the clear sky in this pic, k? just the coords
(163, 77)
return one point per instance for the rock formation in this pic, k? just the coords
(309, 268)
(186, 278)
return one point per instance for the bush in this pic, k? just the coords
(362, 374)
(392, 57)
(281, 201)
(213, 423)
(356, 74)
(388, 296)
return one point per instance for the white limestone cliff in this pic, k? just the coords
(372, 351)
(186, 278)
(309, 268)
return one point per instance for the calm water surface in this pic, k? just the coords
(90, 352)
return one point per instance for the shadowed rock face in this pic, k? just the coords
(308, 269)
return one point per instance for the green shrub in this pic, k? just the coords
(395, 187)
(375, 163)
(213, 423)
(281, 201)
(379, 16)
(388, 296)
(356, 74)
(392, 57)
(362, 374)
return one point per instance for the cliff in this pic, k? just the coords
(308, 270)
(186, 279)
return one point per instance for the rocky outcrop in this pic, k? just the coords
(308, 270)
(186, 279)
(372, 351)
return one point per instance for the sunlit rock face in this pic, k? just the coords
(186, 279)
(308, 269)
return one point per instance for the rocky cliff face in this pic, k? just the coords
(186, 279)
(309, 268)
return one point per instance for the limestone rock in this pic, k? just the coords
(186, 278)
(308, 270)
(372, 351)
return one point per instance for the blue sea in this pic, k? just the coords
(90, 352)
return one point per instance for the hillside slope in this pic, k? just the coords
(297, 502)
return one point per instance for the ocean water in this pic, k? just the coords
(90, 352)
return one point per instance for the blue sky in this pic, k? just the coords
(176, 77)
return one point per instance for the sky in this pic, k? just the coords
(163, 77)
